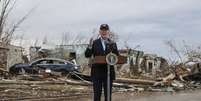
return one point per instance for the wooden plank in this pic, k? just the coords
(135, 81)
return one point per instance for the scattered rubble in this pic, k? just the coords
(49, 85)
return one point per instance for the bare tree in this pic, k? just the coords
(72, 38)
(190, 53)
(78, 39)
(6, 7)
(45, 40)
(193, 54)
(113, 36)
(66, 38)
(36, 42)
(175, 49)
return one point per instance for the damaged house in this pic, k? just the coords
(15, 55)
(3, 55)
(10, 55)
(75, 51)
(67, 52)
(140, 63)
(137, 61)
(152, 64)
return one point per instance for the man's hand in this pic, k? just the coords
(89, 51)
(91, 43)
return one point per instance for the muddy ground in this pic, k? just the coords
(23, 90)
(152, 96)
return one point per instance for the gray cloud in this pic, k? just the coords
(143, 22)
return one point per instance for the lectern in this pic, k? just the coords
(110, 59)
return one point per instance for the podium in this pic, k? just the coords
(102, 60)
(110, 59)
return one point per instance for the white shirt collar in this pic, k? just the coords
(103, 43)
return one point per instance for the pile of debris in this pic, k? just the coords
(4, 74)
(50, 85)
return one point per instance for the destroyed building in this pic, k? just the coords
(15, 55)
(138, 62)
(36, 52)
(75, 51)
(67, 52)
(153, 65)
(3, 55)
(10, 55)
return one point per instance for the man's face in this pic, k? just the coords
(104, 33)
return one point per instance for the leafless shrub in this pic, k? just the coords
(188, 53)
(193, 54)
(175, 49)
(6, 33)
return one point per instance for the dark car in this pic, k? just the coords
(45, 65)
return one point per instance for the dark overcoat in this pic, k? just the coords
(100, 70)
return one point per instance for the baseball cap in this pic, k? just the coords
(104, 27)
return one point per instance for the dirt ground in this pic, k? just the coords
(60, 90)
(55, 91)
(151, 96)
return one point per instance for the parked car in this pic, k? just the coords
(45, 65)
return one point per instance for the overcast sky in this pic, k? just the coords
(147, 23)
